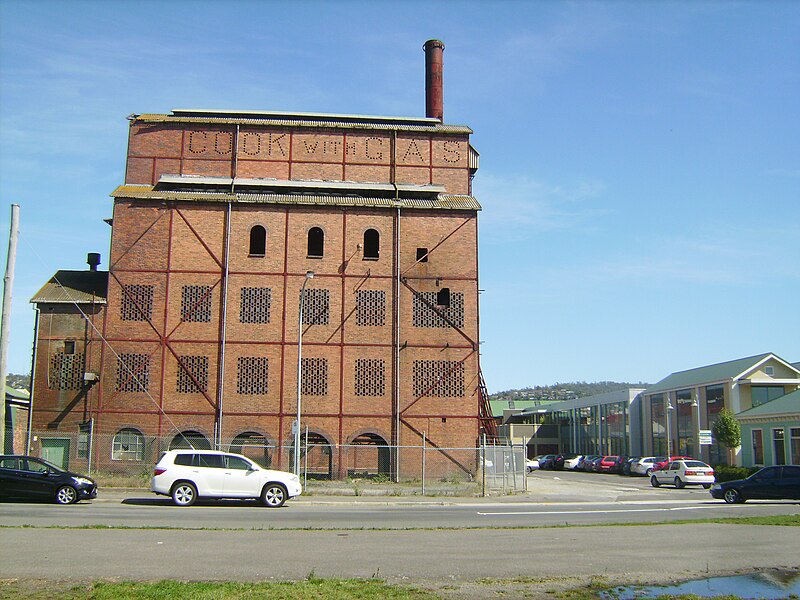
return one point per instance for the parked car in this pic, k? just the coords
(187, 475)
(618, 465)
(532, 464)
(546, 461)
(560, 462)
(665, 460)
(770, 483)
(590, 462)
(646, 464)
(626, 468)
(606, 464)
(682, 473)
(27, 477)
(573, 461)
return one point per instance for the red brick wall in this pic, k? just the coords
(170, 245)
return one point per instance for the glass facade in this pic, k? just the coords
(762, 394)
(658, 424)
(685, 432)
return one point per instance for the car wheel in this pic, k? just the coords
(66, 494)
(273, 495)
(732, 496)
(649, 472)
(654, 481)
(679, 483)
(706, 486)
(184, 494)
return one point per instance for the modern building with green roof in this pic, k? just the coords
(771, 432)
(681, 404)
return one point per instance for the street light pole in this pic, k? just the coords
(696, 404)
(309, 275)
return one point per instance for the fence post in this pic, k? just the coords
(483, 465)
(424, 449)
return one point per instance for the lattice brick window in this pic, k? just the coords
(133, 373)
(252, 375)
(198, 367)
(196, 303)
(370, 307)
(316, 307)
(439, 378)
(137, 302)
(370, 377)
(315, 377)
(255, 306)
(66, 371)
(424, 316)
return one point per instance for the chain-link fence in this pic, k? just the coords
(127, 458)
(504, 469)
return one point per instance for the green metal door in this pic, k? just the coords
(56, 451)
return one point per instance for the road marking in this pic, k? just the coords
(587, 512)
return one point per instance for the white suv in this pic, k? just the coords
(187, 475)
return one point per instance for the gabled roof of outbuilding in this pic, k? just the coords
(67, 287)
(717, 373)
(788, 404)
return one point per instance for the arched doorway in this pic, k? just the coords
(190, 439)
(369, 456)
(316, 458)
(255, 446)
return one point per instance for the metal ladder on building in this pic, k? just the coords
(488, 426)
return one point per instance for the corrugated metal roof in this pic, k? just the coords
(705, 375)
(442, 202)
(66, 287)
(299, 184)
(297, 120)
(302, 116)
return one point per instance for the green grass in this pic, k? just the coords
(312, 588)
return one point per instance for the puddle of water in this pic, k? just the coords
(769, 586)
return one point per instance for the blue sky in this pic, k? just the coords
(640, 162)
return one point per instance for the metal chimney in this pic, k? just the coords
(93, 259)
(434, 76)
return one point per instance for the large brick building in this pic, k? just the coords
(221, 221)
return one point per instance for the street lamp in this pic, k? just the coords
(309, 275)
(669, 408)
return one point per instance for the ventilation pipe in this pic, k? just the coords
(434, 76)
(93, 259)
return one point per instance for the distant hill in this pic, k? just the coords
(564, 391)
(20, 382)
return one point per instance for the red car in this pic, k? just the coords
(607, 464)
(660, 465)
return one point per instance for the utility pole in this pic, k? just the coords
(8, 284)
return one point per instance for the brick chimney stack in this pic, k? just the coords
(434, 75)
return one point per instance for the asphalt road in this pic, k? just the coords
(400, 538)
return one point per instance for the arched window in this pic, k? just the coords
(128, 444)
(372, 244)
(258, 241)
(316, 242)
(190, 439)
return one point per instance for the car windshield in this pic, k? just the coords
(695, 463)
(50, 465)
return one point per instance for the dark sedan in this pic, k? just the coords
(770, 483)
(26, 477)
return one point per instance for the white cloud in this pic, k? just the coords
(518, 207)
